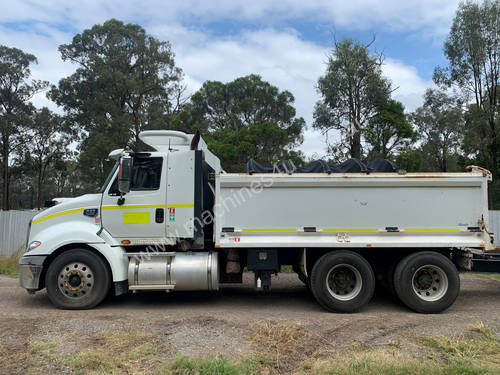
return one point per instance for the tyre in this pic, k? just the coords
(342, 281)
(387, 283)
(77, 279)
(426, 282)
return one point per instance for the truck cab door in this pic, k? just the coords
(142, 213)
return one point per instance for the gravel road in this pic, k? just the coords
(201, 324)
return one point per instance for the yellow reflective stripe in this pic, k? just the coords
(352, 230)
(433, 230)
(180, 205)
(132, 206)
(57, 214)
(269, 230)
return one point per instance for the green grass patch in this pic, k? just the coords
(489, 276)
(9, 266)
(183, 365)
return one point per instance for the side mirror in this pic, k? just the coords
(125, 174)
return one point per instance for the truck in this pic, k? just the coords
(172, 220)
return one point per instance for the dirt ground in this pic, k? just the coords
(222, 323)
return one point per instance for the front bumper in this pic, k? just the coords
(30, 269)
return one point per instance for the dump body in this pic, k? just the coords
(447, 210)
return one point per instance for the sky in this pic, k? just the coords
(287, 42)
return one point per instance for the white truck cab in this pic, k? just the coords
(171, 219)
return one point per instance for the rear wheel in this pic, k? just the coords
(342, 281)
(77, 279)
(426, 282)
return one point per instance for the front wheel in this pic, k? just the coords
(77, 279)
(427, 282)
(342, 281)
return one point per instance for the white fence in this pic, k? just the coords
(13, 229)
(14, 226)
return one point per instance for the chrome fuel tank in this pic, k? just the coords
(179, 271)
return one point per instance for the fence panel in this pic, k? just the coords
(13, 229)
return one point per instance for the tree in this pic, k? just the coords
(46, 140)
(473, 51)
(440, 123)
(389, 130)
(16, 88)
(126, 81)
(351, 91)
(409, 160)
(247, 118)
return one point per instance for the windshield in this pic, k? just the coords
(110, 176)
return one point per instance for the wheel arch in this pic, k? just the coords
(54, 254)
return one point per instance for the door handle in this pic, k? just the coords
(159, 215)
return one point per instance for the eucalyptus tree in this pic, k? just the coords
(247, 118)
(126, 81)
(473, 52)
(351, 91)
(389, 131)
(16, 89)
(440, 123)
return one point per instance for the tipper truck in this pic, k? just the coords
(171, 219)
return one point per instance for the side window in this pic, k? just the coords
(146, 175)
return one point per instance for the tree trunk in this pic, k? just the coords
(356, 145)
(356, 141)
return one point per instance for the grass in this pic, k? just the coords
(379, 361)
(116, 352)
(285, 342)
(489, 276)
(463, 354)
(278, 337)
(183, 365)
(281, 347)
(140, 352)
(474, 355)
(9, 266)
(486, 348)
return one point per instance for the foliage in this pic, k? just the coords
(439, 122)
(247, 118)
(389, 130)
(473, 51)
(126, 81)
(16, 88)
(9, 266)
(46, 138)
(351, 91)
(410, 160)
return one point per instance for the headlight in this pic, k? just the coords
(33, 245)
